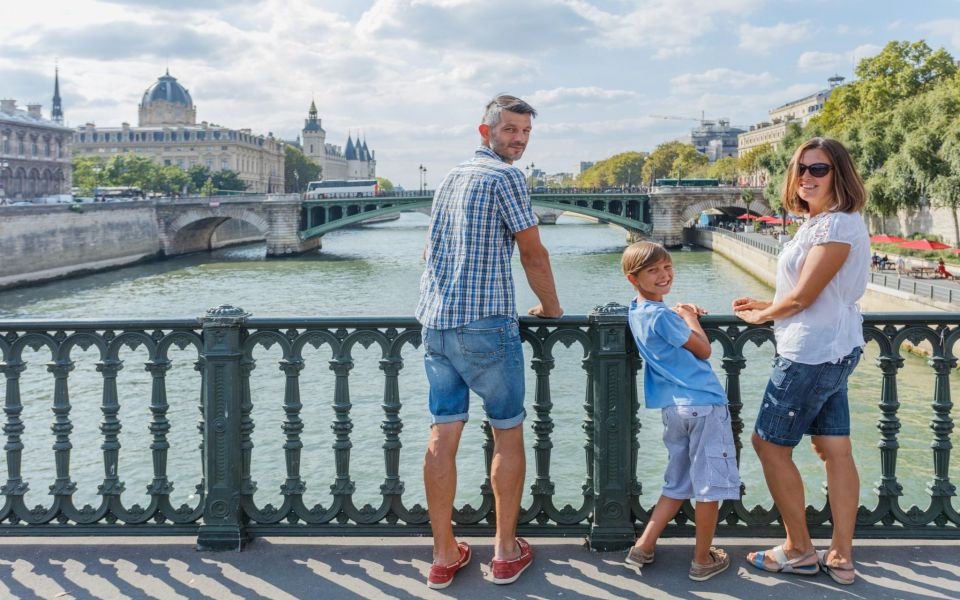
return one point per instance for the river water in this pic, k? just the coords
(375, 271)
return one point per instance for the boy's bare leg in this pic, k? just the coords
(440, 481)
(706, 519)
(662, 514)
(507, 471)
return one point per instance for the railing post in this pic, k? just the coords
(223, 521)
(613, 393)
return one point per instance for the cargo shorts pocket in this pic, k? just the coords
(776, 422)
(722, 469)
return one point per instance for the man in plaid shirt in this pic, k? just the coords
(470, 332)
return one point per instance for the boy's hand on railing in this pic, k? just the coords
(682, 308)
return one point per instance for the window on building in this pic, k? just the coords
(158, 136)
(224, 164)
(180, 163)
(210, 163)
(166, 162)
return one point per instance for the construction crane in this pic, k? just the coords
(676, 118)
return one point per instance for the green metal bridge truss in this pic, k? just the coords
(628, 210)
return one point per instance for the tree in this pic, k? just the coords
(198, 174)
(689, 163)
(660, 162)
(87, 173)
(725, 169)
(901, 70)
(385, 184)
(622, 169)
(298, 170)
(227, 180)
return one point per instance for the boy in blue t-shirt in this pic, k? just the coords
(701, 458)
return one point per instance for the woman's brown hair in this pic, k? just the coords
(849, 195)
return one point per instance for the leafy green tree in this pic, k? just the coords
(901, 70)
(207, 188)
(298, 170)
(725, 169)
(660, 162)
(198, 174)
(385, 184)
(689, 163)
(227, 180)
(88, 173)
(622, 169)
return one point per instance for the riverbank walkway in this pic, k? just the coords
(385, 568)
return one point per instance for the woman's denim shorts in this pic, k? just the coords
(484, 356)
(806, 399)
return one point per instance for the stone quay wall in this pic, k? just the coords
(44, 242)
(763, 266)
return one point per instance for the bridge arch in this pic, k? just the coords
(193, 231)
(692, 211)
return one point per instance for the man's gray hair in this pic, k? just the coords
(491, 116)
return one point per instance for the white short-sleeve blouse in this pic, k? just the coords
(832, 326)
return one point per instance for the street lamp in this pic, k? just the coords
(423, 178)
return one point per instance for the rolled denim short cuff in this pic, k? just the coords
(508, 423)
(442, 419)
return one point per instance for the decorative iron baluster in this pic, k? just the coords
(112, 487)
(16, 487)
(342, 488)
(392, 425)
(159, 426)
(888, 487)
(248, 486)
(733, 364)
(635, 364)
(542, 488)
(940, 489)
(486, 488)
(62, 488)
(292, 426)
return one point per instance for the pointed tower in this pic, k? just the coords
(57, 111)
(314, 137)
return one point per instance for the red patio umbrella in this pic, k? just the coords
(768, 219)
(924, 245)
(886, 239)
(746, 216)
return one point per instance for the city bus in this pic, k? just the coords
(342, 188)
(688, 182)
(116, 193)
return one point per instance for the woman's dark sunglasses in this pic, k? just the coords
(816, 169)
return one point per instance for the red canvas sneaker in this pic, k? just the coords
(442, 575)
(507, 571)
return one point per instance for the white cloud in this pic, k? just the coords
(693, 83)
(823, 61)
(944, 27)
(580, 96)
(764, 39)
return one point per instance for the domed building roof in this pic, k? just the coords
(166, 88)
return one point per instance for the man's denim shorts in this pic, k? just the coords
(806, 399)
(484, 356)
(701, 458)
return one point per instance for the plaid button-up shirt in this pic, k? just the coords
(476, 210)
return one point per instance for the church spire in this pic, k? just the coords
(56, 112)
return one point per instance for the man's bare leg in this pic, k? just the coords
(507, 473)
(440, 481)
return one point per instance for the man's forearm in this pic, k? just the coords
(540, 277)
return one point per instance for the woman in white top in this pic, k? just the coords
(821, 274)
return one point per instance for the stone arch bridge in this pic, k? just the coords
(291, 225)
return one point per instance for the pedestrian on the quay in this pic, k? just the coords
(471, 335)
(819, 333)
(678, 379)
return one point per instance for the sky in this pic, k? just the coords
(412, 76)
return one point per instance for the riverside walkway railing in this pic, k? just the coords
(222, 346)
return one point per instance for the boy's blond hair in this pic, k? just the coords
(639, 255)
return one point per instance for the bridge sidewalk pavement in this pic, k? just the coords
(384, 568)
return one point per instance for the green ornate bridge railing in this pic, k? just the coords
(222, 346)
(630, 210)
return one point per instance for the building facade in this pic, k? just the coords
(355, 162)
(168, 133)
(34, 153)
(715, 139)
(797, 111)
